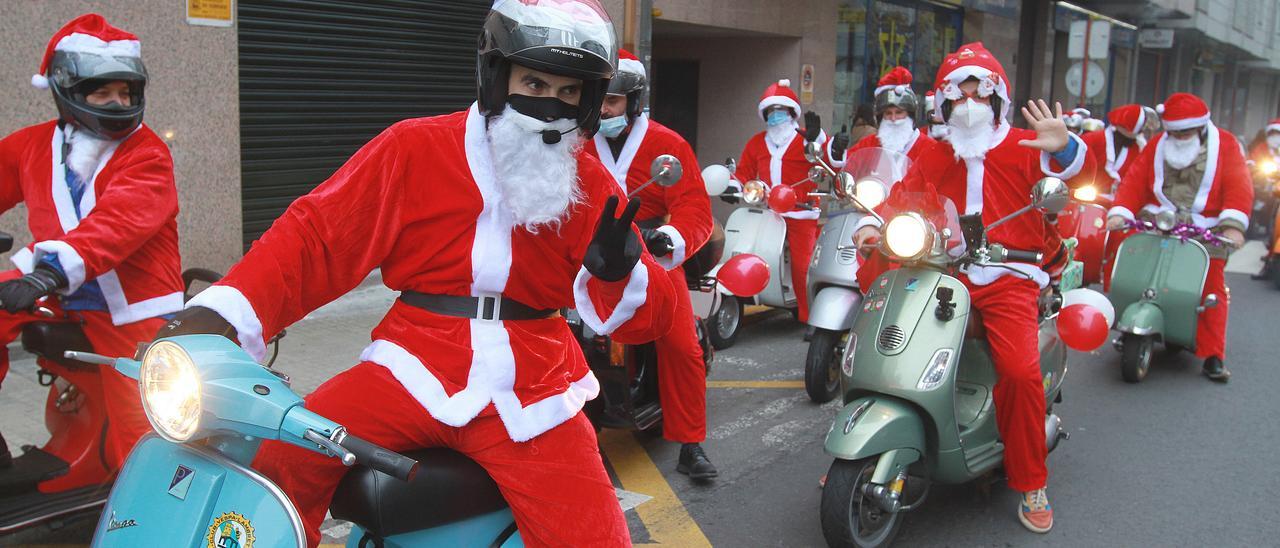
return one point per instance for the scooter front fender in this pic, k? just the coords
(834, 308)
(873, 425)
(1141, 318)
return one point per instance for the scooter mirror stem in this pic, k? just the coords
(88, 357)
(1006, 218)
(646, 184)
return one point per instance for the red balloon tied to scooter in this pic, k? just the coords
(744, 275)
(1085, 319)
(782, 198)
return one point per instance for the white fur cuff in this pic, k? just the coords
(232, 305)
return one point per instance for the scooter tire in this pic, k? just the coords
(822, 366)
(843, 513)
(725, 323)
(1135, 360)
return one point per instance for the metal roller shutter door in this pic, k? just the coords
(319, 78)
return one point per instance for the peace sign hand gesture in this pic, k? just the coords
(1051, 131)
(614, 249)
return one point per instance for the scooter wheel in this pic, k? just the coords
(1136, 358)
(725, 322)
(849, 517)
(822, 366)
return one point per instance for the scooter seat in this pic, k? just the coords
(50, 340)
(449, 487)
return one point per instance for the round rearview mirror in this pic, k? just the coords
(716, 178)
(811, 152)
(844, 186)
(819, 176)
(666, 170)
(1050, 195)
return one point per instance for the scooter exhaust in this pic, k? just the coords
(1053, 432)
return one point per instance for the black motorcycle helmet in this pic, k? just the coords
(631, 83)
(573, 39)
(73, 76)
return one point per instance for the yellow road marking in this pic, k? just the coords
(664, 516)
(755, 384)
(755, 309)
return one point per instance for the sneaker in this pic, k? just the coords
(1215, 369)
(694, 463)
(1034, 511)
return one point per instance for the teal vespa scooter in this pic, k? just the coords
(916, 374)
(1156, 285)
(190, 485)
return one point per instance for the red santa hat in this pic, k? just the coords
(1273, 125)
(973, 60)
(1183, 111)
(89, 33)
(898, 79)
(628, 62)
(1130, 118)
(779, 94)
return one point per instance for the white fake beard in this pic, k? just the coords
(895, 134)
(1180, 153)
(781, 134)
(539, 182)
(970, 143)
(938, 131)
(1273, 142)
(86, 152)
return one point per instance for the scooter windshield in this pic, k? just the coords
(873, 173)
(936, 210)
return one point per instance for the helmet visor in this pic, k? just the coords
(68, 69)
(576, 27)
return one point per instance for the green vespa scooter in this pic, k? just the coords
(1156, 285)
(916, 375)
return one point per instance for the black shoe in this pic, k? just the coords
(1215, 369)
(808, 333)
(694, 463)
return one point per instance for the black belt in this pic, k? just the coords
(488, 307)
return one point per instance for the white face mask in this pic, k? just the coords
(1273, 141)
(1180, 153)
(970, 113)
(895, 134)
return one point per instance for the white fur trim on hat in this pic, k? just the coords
(632, 66)
(88, 43)
(1272, 127)
(38, 81)
(900, 88)
(1186, 123)
(778, 100)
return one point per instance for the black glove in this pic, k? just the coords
(20, 295)
(614, 249)
(197, 320)
(730, 198)
(840, 143)
(657, 242)
(812, 126)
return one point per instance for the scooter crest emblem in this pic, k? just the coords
(230, 530)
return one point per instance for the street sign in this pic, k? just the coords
(1099, 39)
(1097, 79)
(806, 84)
(210, 13)
(1155, 38)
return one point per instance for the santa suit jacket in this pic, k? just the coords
(686, 202)
(786, 164)
(1226, 190)
(1110, 163)
(420, 200)
(127, 238)
(996, 186)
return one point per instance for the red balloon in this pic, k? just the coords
(1083, 327)
(782, 199)
(744, 275)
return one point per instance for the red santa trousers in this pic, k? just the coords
(802, 235)
(546, 480)
(1211, 329)
(682, 377)
(126, 421)
(1010, 315)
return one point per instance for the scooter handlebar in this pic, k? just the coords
(1019, 256)
(383, 460)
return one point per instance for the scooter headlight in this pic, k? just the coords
(170, 387)
(937, 370)
(1269, 168)
(1166, 220)
(753, 193)
(870, 192)
(908, 236)
(1086, 194)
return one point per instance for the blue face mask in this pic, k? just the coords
(612, 127)
(778, 117)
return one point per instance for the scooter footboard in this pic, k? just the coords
(186, 496)
(873, 425)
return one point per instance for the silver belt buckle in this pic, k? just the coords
(488, 306)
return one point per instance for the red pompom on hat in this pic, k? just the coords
(779, 94)
(1273, 125)
(973, 60)
(89, 33)
(1183, 111)
(897, 79)
(628, 62)
(1127, 117)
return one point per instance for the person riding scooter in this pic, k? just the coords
(1114, 150)
(103, 218)
(675, 222)
(1196, 171)
(987, 168)
(488, 221)
(776, 157)
(1264, 160)
(896, 108)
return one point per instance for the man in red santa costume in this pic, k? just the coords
(1265, 167)
(675, 221)
(102, 209)
(1198, 172)
(1116, 148)
(776, 156)
(896, 108)
(488, 221)
(987, 167)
